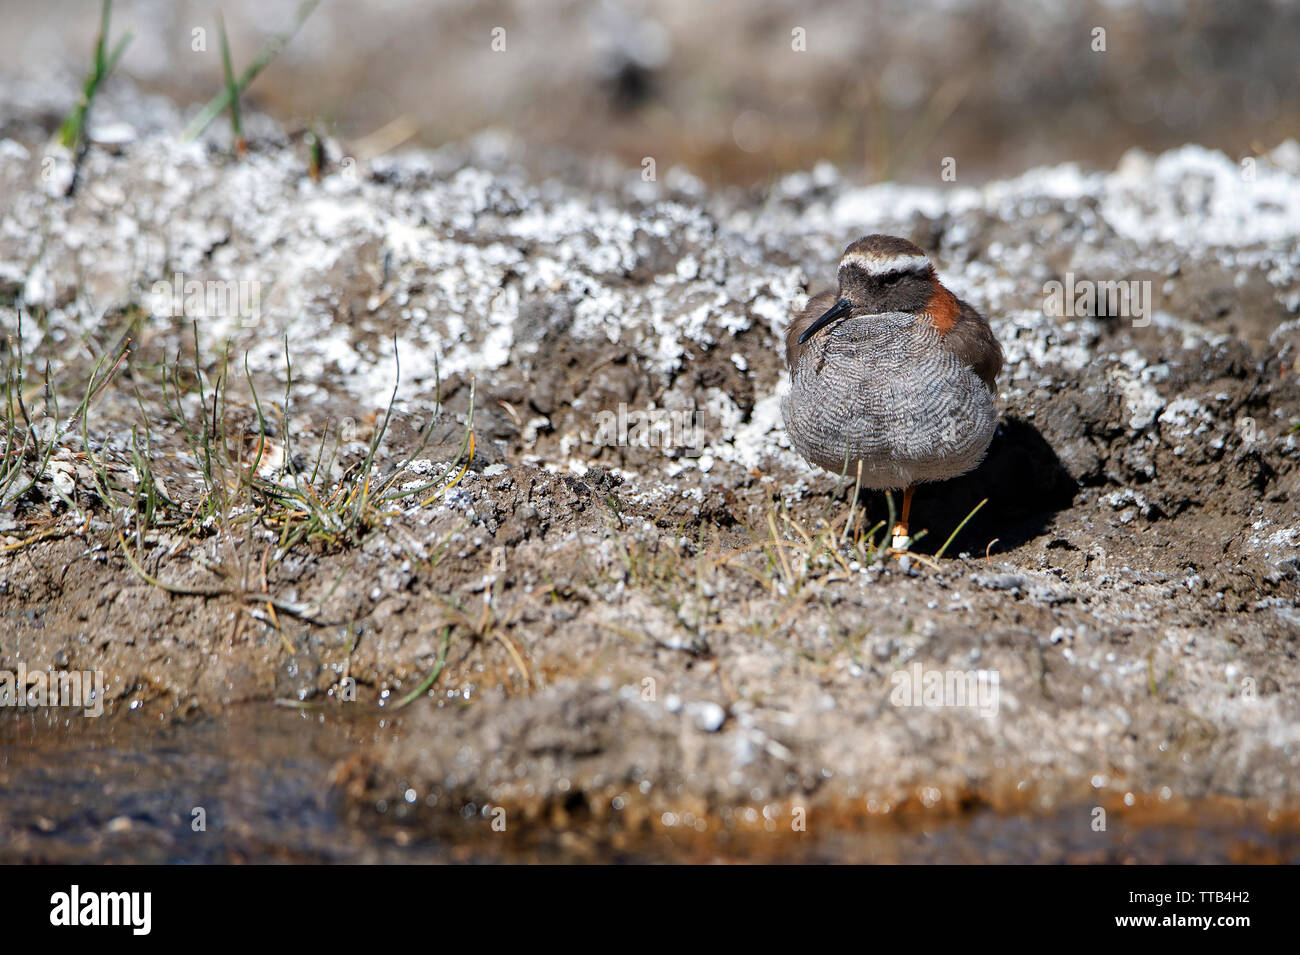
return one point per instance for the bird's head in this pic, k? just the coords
(879, 274)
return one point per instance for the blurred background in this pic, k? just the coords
(738, 92)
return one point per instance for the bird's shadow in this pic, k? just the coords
(1025, 484)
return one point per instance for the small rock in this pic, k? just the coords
(707, 717)
(1000, 581)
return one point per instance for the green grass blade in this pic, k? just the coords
(236, 123)
(272, 48)
(939, 556)
(428, 681)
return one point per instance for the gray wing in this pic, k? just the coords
(971, 341)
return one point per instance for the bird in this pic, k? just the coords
(892, 377)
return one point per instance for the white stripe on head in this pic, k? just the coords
(885, 264)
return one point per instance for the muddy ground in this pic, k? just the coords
(650, 638)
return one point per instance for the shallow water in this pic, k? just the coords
(125, 790)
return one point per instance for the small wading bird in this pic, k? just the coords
(892, 379)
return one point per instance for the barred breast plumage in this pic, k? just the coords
(881, 390)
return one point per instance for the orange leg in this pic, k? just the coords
(901, 540)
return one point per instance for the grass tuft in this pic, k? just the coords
(73, 129)
(255, 501)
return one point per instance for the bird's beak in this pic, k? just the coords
(839, 309)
